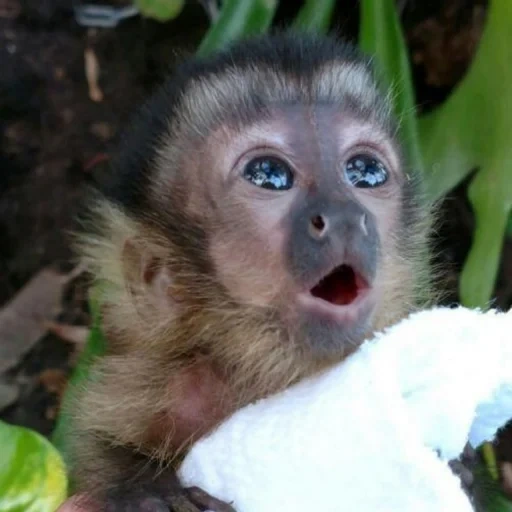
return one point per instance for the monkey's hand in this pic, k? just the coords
(154, 499)
(192, 499)
(116, 478)
(141, 485)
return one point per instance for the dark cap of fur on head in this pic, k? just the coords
(236, 85)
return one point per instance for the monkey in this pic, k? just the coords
(259, 221)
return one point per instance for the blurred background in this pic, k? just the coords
(72, 73)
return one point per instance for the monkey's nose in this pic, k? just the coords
(318, 226)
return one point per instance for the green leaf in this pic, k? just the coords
(489, 457)
(95, 346)
(238, 19)
(472, 130)
(32, 473)
(161, 10)
(487, 486)
(381, 35)
(497, 502)
(315, 15)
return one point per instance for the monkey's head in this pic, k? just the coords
(261, 213)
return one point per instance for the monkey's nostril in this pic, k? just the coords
(318, 226)
(318, 222)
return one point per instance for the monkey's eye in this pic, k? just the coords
(365, 171)
(270, 173)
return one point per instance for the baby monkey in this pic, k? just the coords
(258, 223)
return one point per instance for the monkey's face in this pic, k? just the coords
(305, 203)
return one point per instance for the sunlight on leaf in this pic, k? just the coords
(32, 473)
(472, 130)
(238, 19)
(161, 10)
(381, 35)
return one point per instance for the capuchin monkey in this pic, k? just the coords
(258, 223)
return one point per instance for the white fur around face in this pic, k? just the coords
(366, 435)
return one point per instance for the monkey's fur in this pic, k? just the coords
(192, 300)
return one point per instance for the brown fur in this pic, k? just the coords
(184, 355)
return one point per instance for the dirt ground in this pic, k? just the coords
(56, 131)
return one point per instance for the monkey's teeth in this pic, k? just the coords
(340, 287)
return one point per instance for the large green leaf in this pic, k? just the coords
(238, 19)
(315, 15)
(161, 10)
(381, 35)
(472, 129)
(32, 473)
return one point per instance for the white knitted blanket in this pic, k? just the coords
(374, 433)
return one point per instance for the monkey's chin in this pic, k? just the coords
(333, 331)
(329, 342)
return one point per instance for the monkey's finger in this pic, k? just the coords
(206, 502)
(181, 503)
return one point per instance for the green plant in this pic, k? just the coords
(162, 10)
(472, 130)
(32, 472)
(381, 35)
(238, 19)
(315, 16)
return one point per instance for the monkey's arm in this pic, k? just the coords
(120, 479)
(128, 434)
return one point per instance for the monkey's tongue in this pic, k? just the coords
(340, 287)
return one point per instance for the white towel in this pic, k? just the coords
(373, 433)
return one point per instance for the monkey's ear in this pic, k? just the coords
(146, 278)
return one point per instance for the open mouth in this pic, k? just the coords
(340, 287)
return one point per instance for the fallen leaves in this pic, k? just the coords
(76, 334)
(23, 321)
